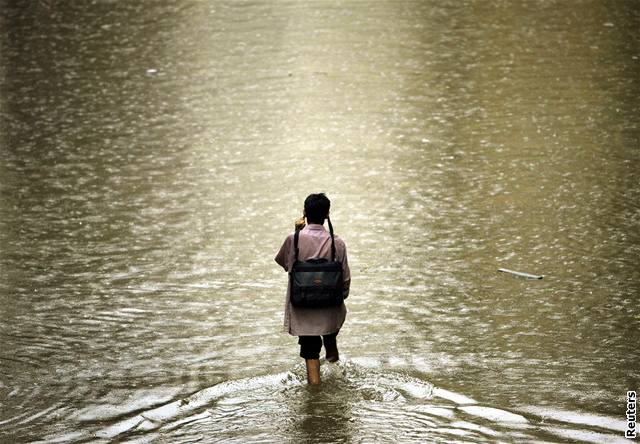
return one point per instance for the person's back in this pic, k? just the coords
(315, 325)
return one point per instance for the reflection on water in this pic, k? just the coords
(153, 157)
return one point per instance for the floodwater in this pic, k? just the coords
(154, 155)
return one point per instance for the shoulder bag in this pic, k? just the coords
(316, 282)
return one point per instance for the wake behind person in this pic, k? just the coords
(319, 280)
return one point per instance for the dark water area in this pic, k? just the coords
(154, 155)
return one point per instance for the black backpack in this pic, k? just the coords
(316, 282)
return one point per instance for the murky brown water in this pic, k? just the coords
(153, 156)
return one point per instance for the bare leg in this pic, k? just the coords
(313, 371)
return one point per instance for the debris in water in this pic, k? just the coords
(520, 273)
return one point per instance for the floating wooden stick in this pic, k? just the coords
(520, 273)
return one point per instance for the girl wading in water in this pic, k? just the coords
(315, 325)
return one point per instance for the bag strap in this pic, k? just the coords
(333, 242)
(295, 242)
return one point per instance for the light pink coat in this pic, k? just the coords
(314, 242)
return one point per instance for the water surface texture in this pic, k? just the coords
(154, 155)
